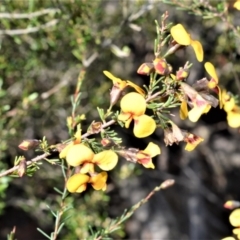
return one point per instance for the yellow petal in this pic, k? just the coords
(116, 81)
(99, 181)
(152, 149)
(198, 49)
(133, 103)
(192, 141)
(143, 126)
(136, 87)
(237, 5)
(106, 160)
(233, 119)
(183, 110)
(64, 152)
(211, 71)
(78, 135)
(236, 231)
(195, 113)
(180, 35)
(149, 164)
(79, 154)
(234, 218)
(77, 183)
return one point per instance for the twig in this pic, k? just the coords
(166, 184)
(34, 160)
(29, 30)
(29, 15)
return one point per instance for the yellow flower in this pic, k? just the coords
(192, 141)
(79, 154)
(121, 84)
(133, 106)
(234, 218)
(182, 37)
(199, 104)
(145, 156)
(233, 117)
(237, 5)
(78, 182)
(213, 83)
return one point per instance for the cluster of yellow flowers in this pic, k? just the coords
(199, 97)
(84, 160)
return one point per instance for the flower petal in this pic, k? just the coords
(136, 87)
(143, 126)
(180, 35)
(198, 49)
(64, 152)
(99, 181)
(211, 71)
(233, 119)
(183, 110)
(234, 218)
(152, 149)
(195, 113)
(77, 183)
(106, 160)
(116, 81)
(192, 141)
(237, 5)
(79, 154)
(133, 103)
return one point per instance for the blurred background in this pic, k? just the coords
(41, 55)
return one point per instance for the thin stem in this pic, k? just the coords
(34, 160)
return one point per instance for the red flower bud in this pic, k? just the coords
(28, 144)
(161, 66)
(145, 69)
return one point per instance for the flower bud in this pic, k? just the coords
(161, 66)
(95, 127)
(182, 74)
(145, 69)
(28, 144)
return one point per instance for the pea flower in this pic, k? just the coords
(133, 106)
(78, 182)
(182, 37)
(143, 157)
(176, 135)
(199, 104)
(119, 85)
(80, 154)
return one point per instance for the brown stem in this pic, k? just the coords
(34, 160)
